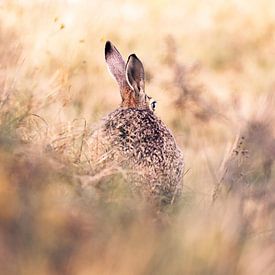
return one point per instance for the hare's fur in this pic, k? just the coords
(133, 138)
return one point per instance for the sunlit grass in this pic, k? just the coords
(210, 66)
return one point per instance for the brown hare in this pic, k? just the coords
(133, 138)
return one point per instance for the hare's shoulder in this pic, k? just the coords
(137, 122)
(139, 134)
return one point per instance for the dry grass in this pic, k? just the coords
(211, 68)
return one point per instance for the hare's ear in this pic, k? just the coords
(135, 74)
(115, 63)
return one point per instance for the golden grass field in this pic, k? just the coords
(209, 64)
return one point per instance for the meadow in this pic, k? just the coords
(210, 67)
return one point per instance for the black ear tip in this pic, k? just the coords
(108, 47)
(133, 56)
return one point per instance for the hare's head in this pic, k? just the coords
(130, 78)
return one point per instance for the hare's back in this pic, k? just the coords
(141, 137)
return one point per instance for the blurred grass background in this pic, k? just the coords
(210, 66)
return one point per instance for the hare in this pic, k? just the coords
(135, 139)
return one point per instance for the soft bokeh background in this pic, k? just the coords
(209, 65)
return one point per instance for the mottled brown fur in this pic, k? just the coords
(133, 138)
